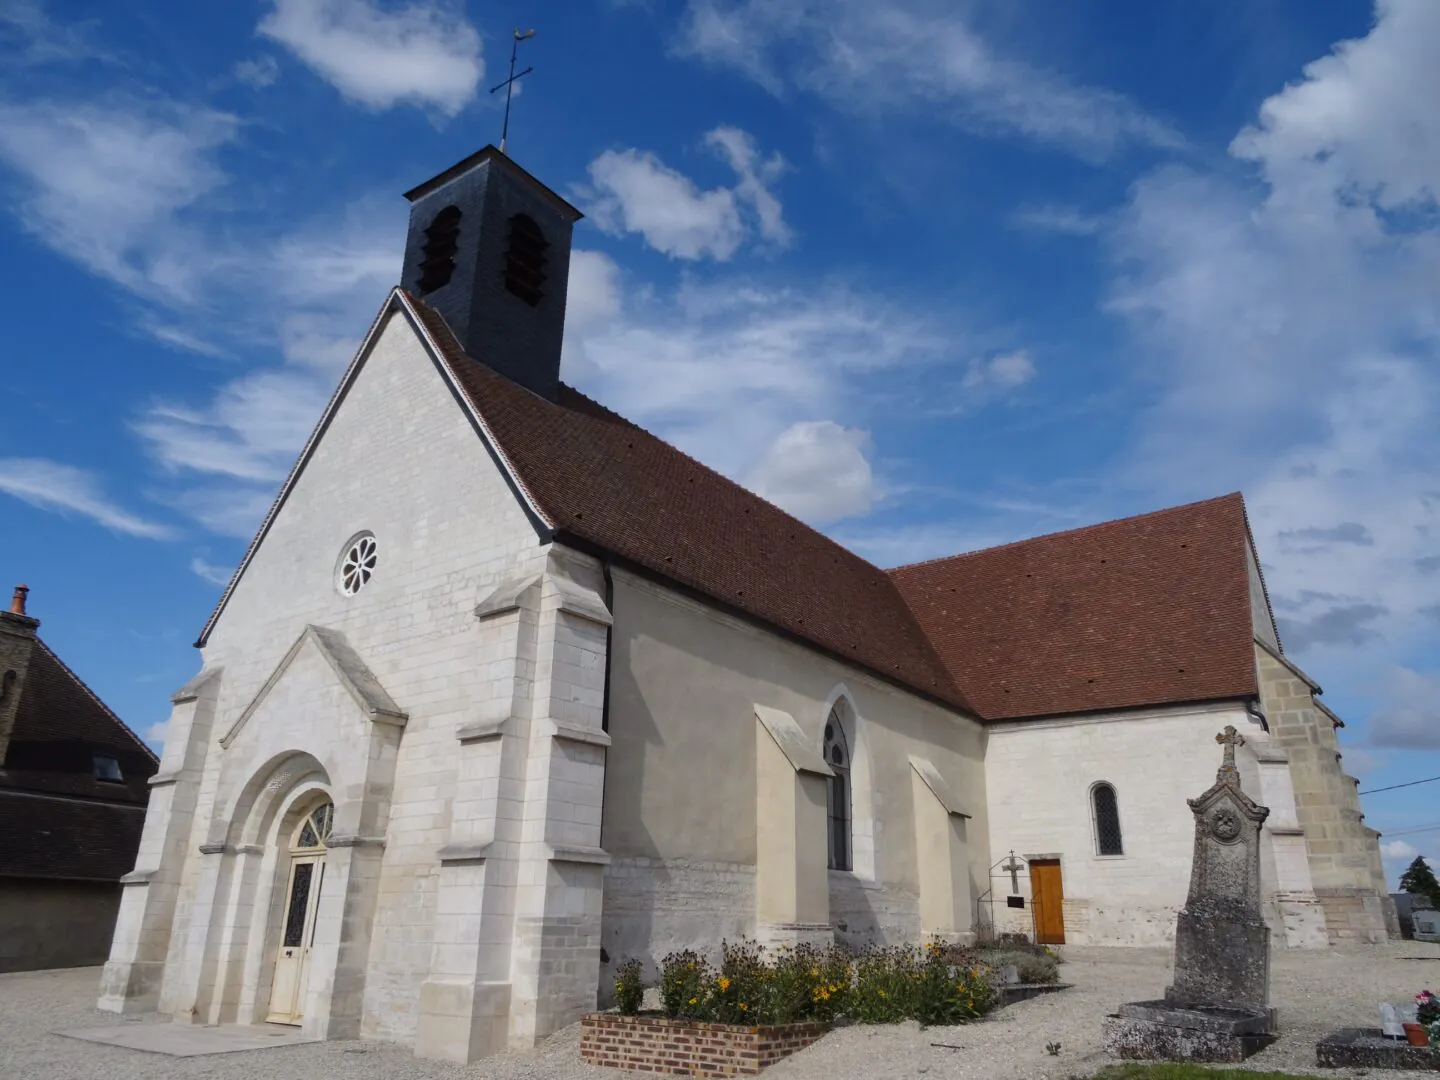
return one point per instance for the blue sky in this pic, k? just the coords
(931, 274)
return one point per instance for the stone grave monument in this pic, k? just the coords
(1218, 1008)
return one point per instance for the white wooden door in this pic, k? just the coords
(297, 926)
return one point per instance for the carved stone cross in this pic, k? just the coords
(1230, 739)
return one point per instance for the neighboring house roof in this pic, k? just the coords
(1147, 610)
(50, 836)
(59, 727)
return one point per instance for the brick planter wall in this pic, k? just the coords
(688, 1048)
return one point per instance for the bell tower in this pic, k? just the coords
(489, 249)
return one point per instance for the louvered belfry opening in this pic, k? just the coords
(442, 240)
(525, 260)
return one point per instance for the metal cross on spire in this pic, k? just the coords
(509, 84)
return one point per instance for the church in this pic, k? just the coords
(506, 691)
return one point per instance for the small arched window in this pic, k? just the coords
(525, 260)
(1107, 820)
(442, 238)
(837, 801)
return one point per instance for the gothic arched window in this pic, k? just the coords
(442, 238)
(525, 259)
(1107, 820)
(837, 801)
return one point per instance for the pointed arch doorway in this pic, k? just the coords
(297, 926)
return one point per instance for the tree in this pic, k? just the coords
(1420, 880)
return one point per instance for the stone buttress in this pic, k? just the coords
(516, 950)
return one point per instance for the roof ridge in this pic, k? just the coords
(1092, 527)
(96, 698)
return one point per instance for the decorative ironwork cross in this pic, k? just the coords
(1013, 868)
(509, 84)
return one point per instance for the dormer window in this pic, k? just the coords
(442, 239)
(525, 260)
(107, 768)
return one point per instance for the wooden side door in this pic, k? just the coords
(1047, 897)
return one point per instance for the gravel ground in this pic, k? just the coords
(1316, 993)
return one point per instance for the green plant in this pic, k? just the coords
(1427, 1008)
(808, 983)
(884, 990)
(740, 994)
(1419, 880)
(629, 988)
(685, 979)
(1031, 966)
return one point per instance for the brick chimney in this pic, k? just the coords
(489, 249)
(17, 642)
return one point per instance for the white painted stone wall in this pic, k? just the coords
(400, 459)
(680, 792)
(1040, 773)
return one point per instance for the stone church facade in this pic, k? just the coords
(506, 691)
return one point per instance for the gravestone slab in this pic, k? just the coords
(1218, 1007)
(1367, 1048)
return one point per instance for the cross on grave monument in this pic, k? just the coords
(1217, 1008)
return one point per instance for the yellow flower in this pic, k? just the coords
(742, 1006)
(694, 1001)
(723, 983)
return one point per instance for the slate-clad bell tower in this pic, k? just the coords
(489, 248)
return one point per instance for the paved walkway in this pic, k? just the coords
(1315, 992)
(190, 1040)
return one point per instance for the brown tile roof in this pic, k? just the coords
(1149, 610)
(1142, 611)
(602, 479)
(50, 837)
(59, 726)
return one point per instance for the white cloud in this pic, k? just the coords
(1408, 716)
(913, 55)
(108, 183)
(633, 191)
(723, 368)
(1292, 333)
(251, 430)
(756, 175)
(155, 734)
(1065, 220)
(208, 571)
(67, 490)
(636, 192)
(424, 54)
(818, 471)
(260, 72)
(1004, 372)
(42, 40)
(1398, 851)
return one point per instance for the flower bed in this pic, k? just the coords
(690, 1047)
(757, 1008)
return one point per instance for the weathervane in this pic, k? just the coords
(509, 84)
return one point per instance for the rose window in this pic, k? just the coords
(358, 565)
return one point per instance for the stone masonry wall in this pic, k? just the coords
(1040, 773)
(1344, 852)
(400, 459)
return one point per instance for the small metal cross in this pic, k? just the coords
(1013, 868)
(509, 84)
